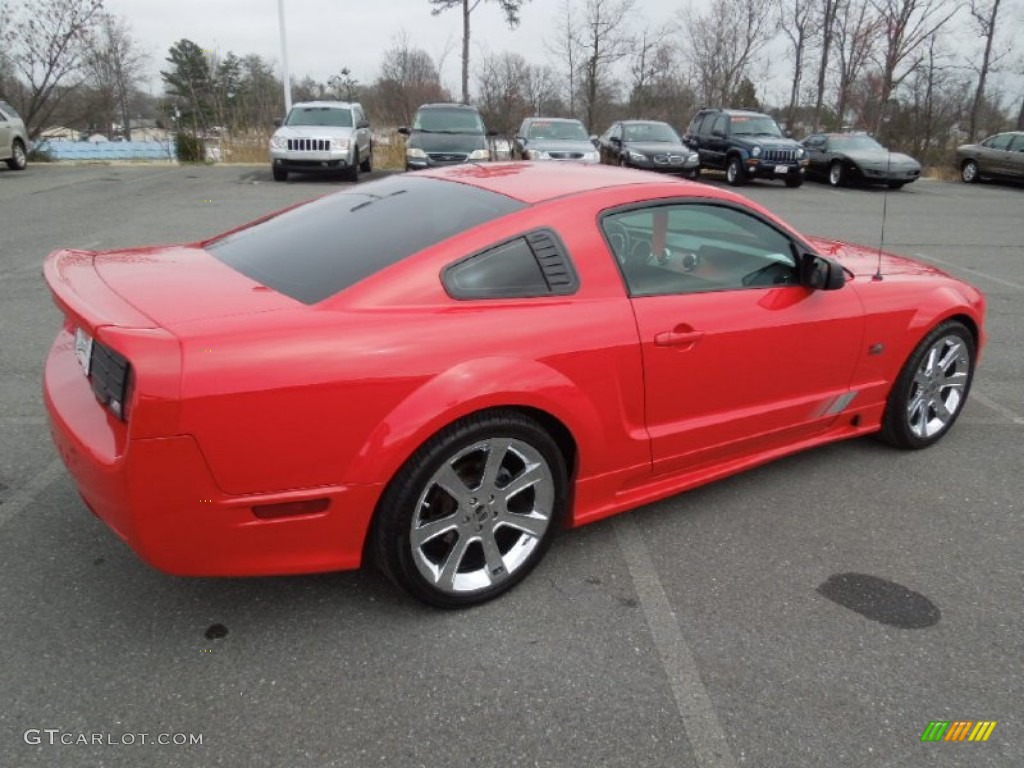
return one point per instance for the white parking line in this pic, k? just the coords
(27, 494)
(1002, 410)
(978, 272)
(700, 721)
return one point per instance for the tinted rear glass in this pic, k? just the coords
(318, 249)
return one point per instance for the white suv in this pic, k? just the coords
(322, 136)
(13, 139)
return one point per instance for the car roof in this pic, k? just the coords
(324, 104)
(447, 105)
(737, 112)
(643, 122)
(538, 118)
(538, 182)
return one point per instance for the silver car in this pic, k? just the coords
(554, 138)
(14, 142)
(322, 137)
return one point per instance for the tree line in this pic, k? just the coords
(918, 73)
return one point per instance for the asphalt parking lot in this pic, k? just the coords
(711, 629)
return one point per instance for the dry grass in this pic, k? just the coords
(941, 172)
(389, 152)
(244, 148)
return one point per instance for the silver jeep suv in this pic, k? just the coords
(322, 136)
(13, 138)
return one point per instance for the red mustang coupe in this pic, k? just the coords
(437, 370)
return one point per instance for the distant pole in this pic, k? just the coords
(284, 59)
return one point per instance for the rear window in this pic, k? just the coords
(321, 248)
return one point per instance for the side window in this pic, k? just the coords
(817, 141)
(533, 265)
(695, 248)
(1002, 141)
(719, 124)
(1018, 143)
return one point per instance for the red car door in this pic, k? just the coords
(738, 358)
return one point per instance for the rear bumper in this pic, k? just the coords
(159, 495)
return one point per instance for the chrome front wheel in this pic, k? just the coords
(932, 388)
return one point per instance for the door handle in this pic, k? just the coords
(678, 337)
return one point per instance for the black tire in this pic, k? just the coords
(837, 174)
(694, 174)
(969, 172)
(18, 160)
(911, 420)
(734, 172)
(623, 162)
(351, 173)
(280, 174)
(455, 545)
(794, 180)
(367, 166)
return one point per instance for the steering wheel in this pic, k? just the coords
(618, 236)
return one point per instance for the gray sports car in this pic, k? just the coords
(846, 158)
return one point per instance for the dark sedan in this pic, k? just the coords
(648, 145)
(846, 158)
(999, 156)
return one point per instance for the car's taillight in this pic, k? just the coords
(111, 379)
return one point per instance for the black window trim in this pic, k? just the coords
(568, 290)
(797, 245)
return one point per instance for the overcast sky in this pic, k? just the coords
(326, 35)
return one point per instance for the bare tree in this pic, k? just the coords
(905, 25)
(566, 49)
(604, 40)
(798, 22)
(407, 79)
(509, 7)
(855, 30)
(115, 65)
(46, 45)
(984, 17)
(723, 43)
(652, 55)
(826, 21)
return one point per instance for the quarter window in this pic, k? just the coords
(696, 248)
(535, 264)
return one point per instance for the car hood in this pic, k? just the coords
(863, 261)
(556, 145)
(880, 158)
(657, 147)
(314, 131)
(447, 142)
(179, 284)
(769, 142)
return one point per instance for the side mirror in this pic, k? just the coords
(820, 274)
(278, 121)
(404, 130)
(521, 140)
(594, 140)
(363, 124)
(616, 141)
(789, 134)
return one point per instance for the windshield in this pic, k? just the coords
(854, 142)
(650, 132)
(9, 110)
(339, 118)
(557, 131)
(757, 125)
(448, 121)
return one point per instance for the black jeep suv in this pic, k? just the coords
(746, 145)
